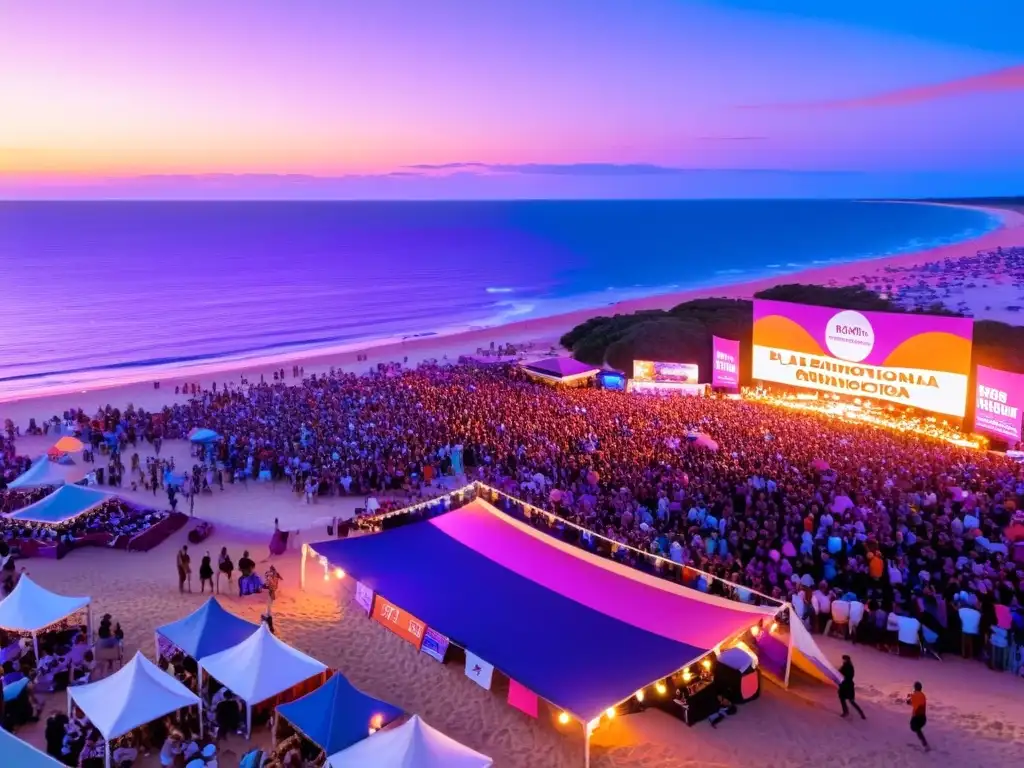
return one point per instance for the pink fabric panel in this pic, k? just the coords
(522, 698)
(631, 601)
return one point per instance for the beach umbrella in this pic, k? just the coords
(203, 436)
(705, 441)
(68, 444)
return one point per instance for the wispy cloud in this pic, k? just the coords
(577, 169)
(1001, 80)
(732, 138)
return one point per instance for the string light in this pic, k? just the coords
(755, 630)
(640, 696)
(706, 664)
(338, 573)
(563, 718)
(774, 627)
(687, 676)
(610, 712)
(660, 688)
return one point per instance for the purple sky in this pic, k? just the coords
(527, 98)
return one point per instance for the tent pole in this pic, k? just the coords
(156, 645)
(248, 721)
(35, 645)
(302, 566)
(106, 750)
(201, 728)
(273, 732)
(586, 746)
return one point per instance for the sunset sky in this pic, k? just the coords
(470, 98)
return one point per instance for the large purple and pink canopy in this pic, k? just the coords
(581, 631)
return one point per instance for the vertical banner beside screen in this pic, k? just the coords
(435, 644)
(725, 363)
(403, 624)
(999, 396)
(364, 597)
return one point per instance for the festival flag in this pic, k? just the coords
(364, 597)
(478, 670)
(435, 644)
(522, 698)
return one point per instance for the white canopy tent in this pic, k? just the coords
(138, 693)
(258, 668)
(16, 752)
(31, 608)
(414, 744)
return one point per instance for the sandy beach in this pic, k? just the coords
(976, 717)
(541, 334)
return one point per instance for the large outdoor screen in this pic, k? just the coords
(998, 401)
(922, 361)
(678, 373)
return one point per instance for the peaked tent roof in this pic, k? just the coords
(261, 666)
(337, 714)
(67, 502)
(561, 368)
(42, 472)
(138, 693)
(413, 744)
(16, 752)
(209, 629)
(30, 608)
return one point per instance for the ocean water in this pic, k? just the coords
(100, 291)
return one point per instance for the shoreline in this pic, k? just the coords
(543, 333)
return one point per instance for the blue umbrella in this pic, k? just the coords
(204, 436)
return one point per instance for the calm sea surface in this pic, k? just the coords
(92, 291)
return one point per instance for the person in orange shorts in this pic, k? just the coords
(918, 715)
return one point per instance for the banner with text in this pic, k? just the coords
(403, 624)
(923, 361)
(364, 597)
(997, 405)
(725, 363)
(435, 644)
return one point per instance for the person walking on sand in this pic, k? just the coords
(847, 690)
(205, 573)
(184, 569)
(918, 714)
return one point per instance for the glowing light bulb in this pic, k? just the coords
(660, 687)
(338, 573)
(775, 626)
(377, 721)
(686, 675)
(755, 630)
(610, 712)
(563, 718)
(640, 696)
(706, 664)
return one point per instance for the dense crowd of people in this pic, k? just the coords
(789, 503)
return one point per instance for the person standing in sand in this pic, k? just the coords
(918, 715)
(847, 690)
(184, 569)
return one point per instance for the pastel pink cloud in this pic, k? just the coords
(1001, 80)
